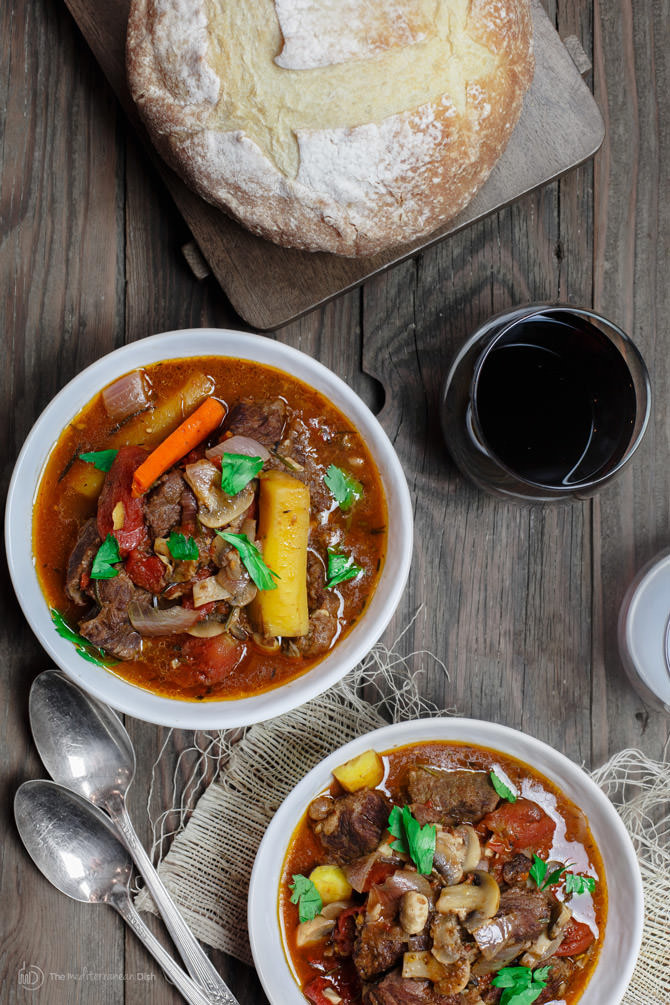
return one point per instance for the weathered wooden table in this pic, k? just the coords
(521, 603)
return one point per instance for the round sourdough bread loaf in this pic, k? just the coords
(347, 126)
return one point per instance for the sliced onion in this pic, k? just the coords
(239, 445)
(125, 396)
(153, 622)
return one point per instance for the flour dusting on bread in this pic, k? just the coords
(332, 125)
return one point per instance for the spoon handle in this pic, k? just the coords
(197, 962)
(191, 991)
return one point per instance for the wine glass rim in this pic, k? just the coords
(542, 310)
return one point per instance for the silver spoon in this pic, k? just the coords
(84, 746)
(74, 845)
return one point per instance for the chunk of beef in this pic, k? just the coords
(516, 871)
(451, 797)
(396, 990)
(234, 578)
(377, 948)
(162, 506)
(316, 581)
(80, 562)
(110, 629)
(320, 634)
(355, 825)
(522, 916)
(261, 420)
(562, 969)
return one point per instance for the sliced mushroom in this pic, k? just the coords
(205, 591)
(207, 630)
(333, 910)
(320, 807)
(456, 852)
(447, 940)
(479, 900)
(216, 508)
(309, 933)
(549, 941)
(422, 966)
(414, 910)
(456, 978)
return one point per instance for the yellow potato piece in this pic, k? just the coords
(331, 883)
(362, 772)
(283, 531)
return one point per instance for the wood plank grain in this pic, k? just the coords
(60, 187)
(268, 285)
(632, 241)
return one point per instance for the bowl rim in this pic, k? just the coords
(618, 954)
(104, 684)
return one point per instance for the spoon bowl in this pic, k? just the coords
(71, 842)
(82, 743)
(74, 845)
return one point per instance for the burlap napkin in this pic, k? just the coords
(209, 863)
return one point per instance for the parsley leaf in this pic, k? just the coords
(306, 896)
(181, 548)
(237, 470)
(340, 568)
(521, 985)
(344, 487)
(105, 559)
(84, 648)
(538, 873)
(413, 839)
(503, 790)
(100, 459)
(252, 560)
(579, 884)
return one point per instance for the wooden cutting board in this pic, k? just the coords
(269, 286)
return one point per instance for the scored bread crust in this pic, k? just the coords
(351, 186)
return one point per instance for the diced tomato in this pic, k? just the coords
(578, 938)
(522, 824)
(210, 661)
(117, 488)
(313, 991)
(378, 873)
(345, 930)
(146, 571)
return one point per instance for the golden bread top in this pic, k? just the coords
(343, 106)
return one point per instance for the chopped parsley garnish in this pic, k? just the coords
(100, 459)
(503, 790)
(182, 549)
(538, 873)
(344, 487)
(252, 560)
(237, 470)
(306, 896)
(522, 986)
(340, 568)
(574, 883)
(416, 841)
(105, 559)
(577, 884)
(84, 648)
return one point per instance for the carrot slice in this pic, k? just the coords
(188, 435)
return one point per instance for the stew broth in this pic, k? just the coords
(68, 493)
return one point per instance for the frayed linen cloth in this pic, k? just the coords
(209, 862)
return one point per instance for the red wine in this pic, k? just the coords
(554, 401)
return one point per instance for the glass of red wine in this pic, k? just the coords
(545, 403)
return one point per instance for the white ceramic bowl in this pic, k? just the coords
(212, 714)
(623, 932)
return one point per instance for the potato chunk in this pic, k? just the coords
(331, 883)
(362, 772)
(283, 531)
